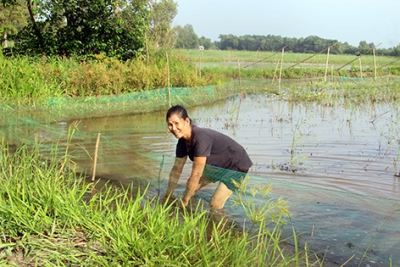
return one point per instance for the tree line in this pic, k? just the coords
(187, 38)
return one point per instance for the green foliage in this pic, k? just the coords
(13, 17)
(30, 80)
(310, 44)
(186, 37)
(160, 33)
(115, 28)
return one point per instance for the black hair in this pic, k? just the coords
(178, 110)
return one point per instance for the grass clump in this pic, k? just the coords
(52, 217)
(26, 80)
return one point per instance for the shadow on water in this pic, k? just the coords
(337, 166)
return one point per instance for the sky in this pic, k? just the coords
(351, 21)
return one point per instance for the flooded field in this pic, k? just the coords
(336, 165)
(352, 149)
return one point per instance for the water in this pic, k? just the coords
(337, 165)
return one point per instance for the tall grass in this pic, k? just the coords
(31, 80)
(52, 217)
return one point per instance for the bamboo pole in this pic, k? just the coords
(276, 68)
(390, 63)
(200, 63)
(373, 51)
(356, 58)
(95, 157)
(258, 61)
(280, 71)
(168, 80)
(359, 61)
(240, 78)
(326, 64)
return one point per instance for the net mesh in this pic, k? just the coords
(125, 156)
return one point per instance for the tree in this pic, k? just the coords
(363, 47)
(84, 27)
(228, 42)
(249, 43)
(186, 37)
(205, 42)
(160, 32)
(13, 17)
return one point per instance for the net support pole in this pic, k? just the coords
(373, 51)
(240, 78)
(276, 68)
(280, 71)
(168, 81)
(326, 64)
(200, 64)
(96, 150)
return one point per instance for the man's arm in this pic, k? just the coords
(193, 183)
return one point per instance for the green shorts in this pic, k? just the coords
(216, 174)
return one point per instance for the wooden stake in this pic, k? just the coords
(169, 88)
(240, 78)
(200, 63)
(280, 71)
(326, 64)
(373, 51)
(276, 68)
(359, 60)
(95, 157)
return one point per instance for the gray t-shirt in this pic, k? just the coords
(220, 150)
